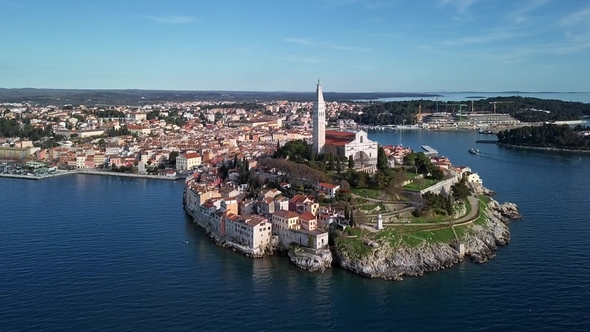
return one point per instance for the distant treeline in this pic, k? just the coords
(525, 109)
(61, 97)
(548, 135)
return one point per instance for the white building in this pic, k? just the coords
(254, 232)
(319, 121)
(355, 144)
(188, 161)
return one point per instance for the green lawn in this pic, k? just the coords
(414, 186)
(352, 242)
(368, 193)
(483, 206)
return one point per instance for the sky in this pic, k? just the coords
(287, 45)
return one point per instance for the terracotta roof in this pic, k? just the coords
(307, 216)
(327, 185)
(191, 155)
(286, 214)
(340, 134)
(297, 199)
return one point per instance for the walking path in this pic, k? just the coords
(469, 218)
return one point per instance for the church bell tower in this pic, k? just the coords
(319, 121)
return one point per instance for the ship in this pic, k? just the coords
(474, 151)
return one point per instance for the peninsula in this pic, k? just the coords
(300, 178)
(551, 137)
(379, 211)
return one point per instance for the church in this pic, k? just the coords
(341, 143)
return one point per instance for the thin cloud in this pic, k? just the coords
(349, 48)
(171, 19)
(338, 3)
(368, 4)
(301, 41)
(309, 42)
(521, 14)
(312, 59)
(581, 17)
(524, 53)
(487, 38)
(461, 5)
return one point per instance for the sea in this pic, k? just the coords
(95, 253)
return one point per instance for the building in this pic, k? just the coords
(348, 143)
(319, 121)
(329, 189)
(355, 144)
(188, 161)
(252, 231)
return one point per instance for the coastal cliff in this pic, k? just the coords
(479, 242)
(310, 260)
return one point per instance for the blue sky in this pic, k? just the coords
(286, 45)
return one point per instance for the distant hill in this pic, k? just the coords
(60, 97)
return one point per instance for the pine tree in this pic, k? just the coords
(382, 164)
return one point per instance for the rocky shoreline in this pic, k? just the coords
(541, 148)
(392, 263)
(306, 259)
(223, 242)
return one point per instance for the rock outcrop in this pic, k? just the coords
(393, 263)
(480, 243)
(311, 260)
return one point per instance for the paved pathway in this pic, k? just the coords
(469, 218)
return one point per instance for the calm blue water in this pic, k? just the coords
(90, 253)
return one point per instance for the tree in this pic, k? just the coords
(382, 163)
(296, 150)
(172, 157)
(362, 157)
(347, 211)
(460, 190)
(338, 165)
(344, 185)
(329, 161)
(350, 162)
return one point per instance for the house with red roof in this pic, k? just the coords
(188, 161)
(329, 189)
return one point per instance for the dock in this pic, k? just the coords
(429, 151)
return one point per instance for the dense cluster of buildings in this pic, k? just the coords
(212, 130)
(211, 135)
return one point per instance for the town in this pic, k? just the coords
(265, 178)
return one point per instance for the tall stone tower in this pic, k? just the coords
(319, 121)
